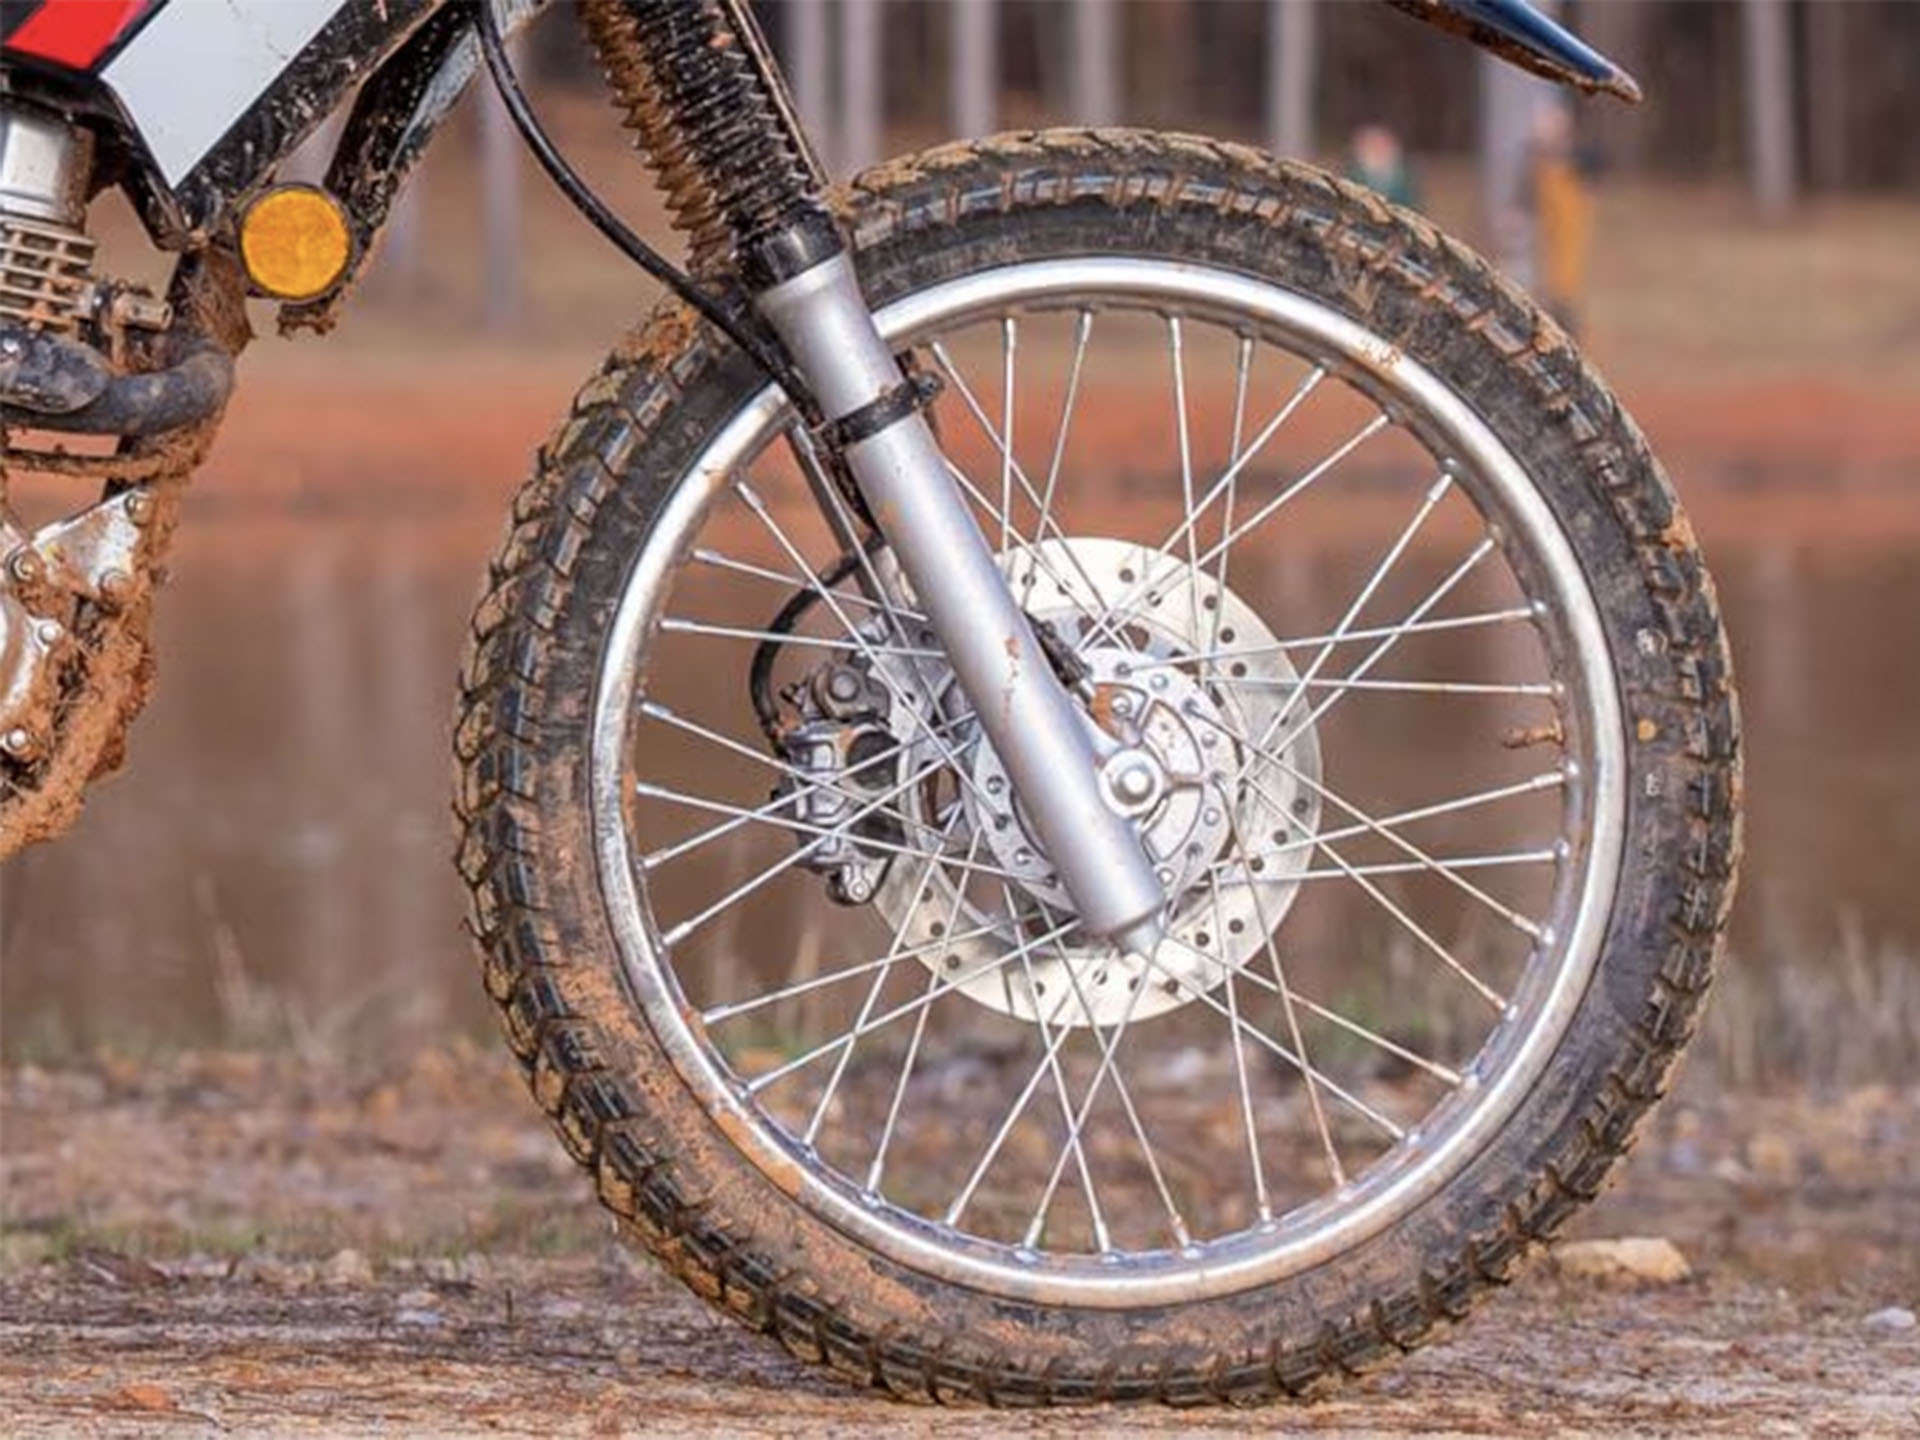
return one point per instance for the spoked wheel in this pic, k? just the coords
(1416, 695)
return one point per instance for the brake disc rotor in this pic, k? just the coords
(1194, 689)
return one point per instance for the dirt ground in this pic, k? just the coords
(237, 1242)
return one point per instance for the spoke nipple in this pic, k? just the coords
(1571, 769)
(1562, 849)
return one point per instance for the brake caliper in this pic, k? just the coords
(847, 764)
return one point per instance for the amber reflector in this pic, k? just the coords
(294, 242)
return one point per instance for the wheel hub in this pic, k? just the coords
(1163, 777)
(1184, 681)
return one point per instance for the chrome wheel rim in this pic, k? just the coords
(1532, 1016)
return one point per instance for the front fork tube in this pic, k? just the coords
(1041, 735)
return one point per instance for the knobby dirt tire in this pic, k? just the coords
(527, 851)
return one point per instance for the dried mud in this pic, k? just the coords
(236, 1242)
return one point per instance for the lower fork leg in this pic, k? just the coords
(1041, 735)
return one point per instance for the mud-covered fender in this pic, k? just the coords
(1520, 34)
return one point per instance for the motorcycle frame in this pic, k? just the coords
(192, 166)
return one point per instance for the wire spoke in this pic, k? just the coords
(927, 869)
(1184, 441)
(1082, 330)
(1242, 368)
(1011, 471)
(1018, 1108)
(1520, 922)
(1435, 494)
(1267, 1042)
(833, 977)
(1485, 991)
(1103, 625)
(687, 927)
(1009, 348)
(1407, 687)
(1263, 1201)
(1433, 1067)
(821, 832)
(1108, 1044)
(1306, 642)
(1392, 867)
(678, 625)
(936, 985)
(1378, 653)
(655, 859)
(1151, 573)
(666, 716)
(1335, 1169)
(718, 560)
(955, 982)
(1059, 1078)
(1546, 780)
(905, 701)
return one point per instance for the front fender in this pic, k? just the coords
(1516, 32)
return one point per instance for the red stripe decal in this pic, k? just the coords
(75, 33)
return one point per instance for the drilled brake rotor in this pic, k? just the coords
(1186, 679)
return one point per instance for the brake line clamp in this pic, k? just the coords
(916, 392)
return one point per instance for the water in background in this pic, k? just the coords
(274, 867)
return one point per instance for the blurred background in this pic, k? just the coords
(1740, 254)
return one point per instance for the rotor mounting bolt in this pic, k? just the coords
(18, 743)
(1133, 783)
(48, 632)
(139, 507)
(26, 566)
(1123, 704)
(843, 685)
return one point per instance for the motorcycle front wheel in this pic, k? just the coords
(1438, 762)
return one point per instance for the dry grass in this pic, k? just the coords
(1839, 1012)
